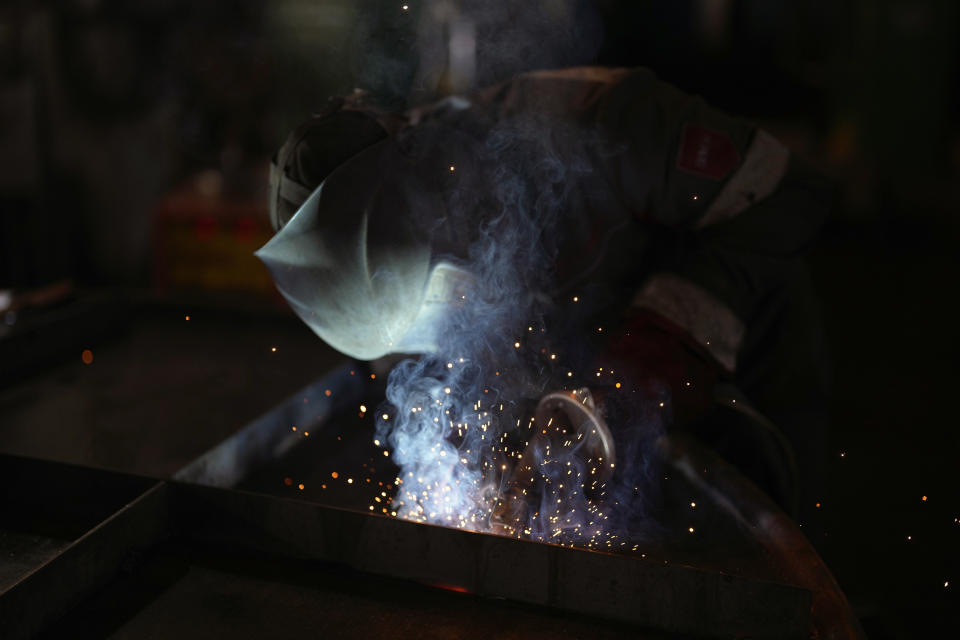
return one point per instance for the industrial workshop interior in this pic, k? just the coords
(479, 319)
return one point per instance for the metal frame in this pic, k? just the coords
(645, 593)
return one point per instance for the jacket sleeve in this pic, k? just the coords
(729, 207)
(733, 208)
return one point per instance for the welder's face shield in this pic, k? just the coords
(354, 268)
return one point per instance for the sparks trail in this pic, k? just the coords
(460, 422)
(488, 462)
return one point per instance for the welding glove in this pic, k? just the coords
(652, 356)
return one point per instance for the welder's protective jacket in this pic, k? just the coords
(695, 212)
(699, 210)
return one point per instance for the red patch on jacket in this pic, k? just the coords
(706, 152)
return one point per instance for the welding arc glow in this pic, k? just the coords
(440, 432)
(453, 429)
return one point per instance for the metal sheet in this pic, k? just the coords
(641, 592)
(647, 593)
(87, 564)
(269, 437)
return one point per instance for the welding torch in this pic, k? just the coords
(567, 424)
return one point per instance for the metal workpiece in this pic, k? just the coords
(647, 593)
(273, 435)
(721, 560)
(101, 521)
(701, 516)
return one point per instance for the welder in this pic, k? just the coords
(702, 218)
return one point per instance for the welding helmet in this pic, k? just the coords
(312, 151)
(353, 265)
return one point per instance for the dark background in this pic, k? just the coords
(134, 142)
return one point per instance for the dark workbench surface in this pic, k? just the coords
(162, 389)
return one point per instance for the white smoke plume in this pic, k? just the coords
(456, 420)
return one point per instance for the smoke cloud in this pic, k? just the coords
(457, 420)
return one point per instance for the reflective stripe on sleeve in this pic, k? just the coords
(708, 320)
(762, 169)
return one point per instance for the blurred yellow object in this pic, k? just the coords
(205, 242)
